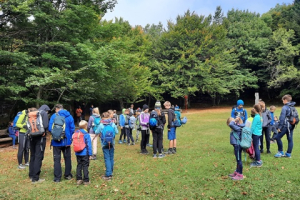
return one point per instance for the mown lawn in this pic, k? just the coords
(198, 171)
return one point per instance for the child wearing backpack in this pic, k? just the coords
(83, 154)
(236, 126)
(129, 130)
(93, 124)
(12, 134)
(239, 111)
(287, 122)
(157, 133)
(122, 126)
(273, 124)
(266, 130)
(107, 131)
(144, 122)
(137, 124)
(171, 128)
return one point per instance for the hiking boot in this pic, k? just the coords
(79, 182)
(261, 151)
(288, 155)
(170, 151)
(56, 181)
(161, 155)
(21, 166)
(120, 142)
(256, 164)
(279, 154)
(238, 177)
(173, 151)
(106, 178)
(146, 152)
(268, 151)
(38, 181)
(27, 164)
(86, 183)
(154, 156)
(233, 174)
(69, 177)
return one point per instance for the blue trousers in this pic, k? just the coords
(256, 140)
(238, 157)
(13, 139)
(289, 136)
(109, 159)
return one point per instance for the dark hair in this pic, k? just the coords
(59, 106)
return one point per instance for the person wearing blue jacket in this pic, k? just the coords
(285, 128)
(62, 146)
(122, 126)
(239, 111)
(12, 134)
(83, 160)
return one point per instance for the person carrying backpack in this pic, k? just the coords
(83, 150)
(287, 122)
(94, 122)
(107, 131)
(23, 150)
(129, 131)
(61, 123)
(157, 133)
(171, 128)
(122, 126)
(37, 147)
(239, 111)
(144, 122)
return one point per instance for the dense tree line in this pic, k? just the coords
(62, 51)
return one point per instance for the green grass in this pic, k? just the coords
(198, 171)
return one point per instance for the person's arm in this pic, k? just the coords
(51, 122)
(246, 115)
(89, 144)
(72, 125)
(45, 119)
(90, 123)
(235, 127)
(116, 129)
(163, 118)
(141, 119)
(233, 113)
(99, 129)
(19, 123)
(282, 117)
(170, 119)
(11, 130)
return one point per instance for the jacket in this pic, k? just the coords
(171, 117)
(266, 116)
(242, 113)
(122, 118)
(285, 112)
(11, 131)
(144, 121)
(23, 118)
(44, 115)
(237, 128)
(272, 123)
(161, 121)
(91, 121)
(256, 127)
(101, 127)
(69, 129)
(88, 149)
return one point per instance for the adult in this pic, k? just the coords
(91, 110)
(37, 148)
(78, 114)
(62, 146)
(144, 122)
(131, 109)
(83, 111)
(239, 111)
(92, 126)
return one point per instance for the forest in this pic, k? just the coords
(62, 51)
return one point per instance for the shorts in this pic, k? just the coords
(172, 133)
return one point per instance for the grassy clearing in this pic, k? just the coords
(198, 171)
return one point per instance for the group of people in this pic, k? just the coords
(261, 123)
(104, 127)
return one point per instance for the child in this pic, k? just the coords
(94, 122)
(235, 136)
(285, 128)
(12, 134)
(239, 111)
(273, 124)
(115, 116)
(250, 119)
(137, 124)
(131, 121)
(266, 130)
(256, 129)
(122, 126)
(157, 134)
(144, 122)
(83, 161)
(108, 144)
(171, 128)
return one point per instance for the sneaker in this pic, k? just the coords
(256, 164)
(136, 141)
(38, 181)
(170, 151)
(288, 155)
(149, 145)
(154, 156)
(261, 151)
(173, 151)
(21, 166)
(69, 177)
(132, 143)
(161, 155)
(86, 183)
(79, 182)
(128, 143)
(27, 164)
(268, 151)
(124, 141)
(14, 147)
(120, 142)
(142, 151)
(146, 152)
(233, 174)
(279, 154)
(107, 178)
(56, 181)
(238, 177)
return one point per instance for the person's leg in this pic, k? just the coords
(268, 132)
(147, 138)
(159, 141)
(238, 157)
(21, 148)
(278, 139)
(107, 160)
(290, 140)
(127, 131)
(94, 143)
(33, 150)
(256, 146)
(13, 137)
(57, 164)
(26, 149)
(130, 135)
(155, 140)
(68, 162)
(86, 164)
(40, 144)
(111, 156)
(262, 140)
(143, 140)
(79, 168)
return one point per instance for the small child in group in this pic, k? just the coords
(129, 127)
(171, 128)
(137, 124)
(115, 116)
(12, 134)
(83, 160)
(108, 144)
(236, 126)
(122, 119)
(250, 119)
(273, 124)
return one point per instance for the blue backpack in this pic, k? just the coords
(108, 134)
(177, 120)
(58, 128)
(184, 120)
(246, 138)
(16, 119)
(96, 123)
(153, 121)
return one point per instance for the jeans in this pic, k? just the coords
(66, 150)
(145, 137)
(255, 141)
(238, 157)
(13, 139)
(157, 140)
(265, 132)
(128, 132)
(23, 150)
(122, 133)
(37, 149)
(289, 136)
(275, 132)
(108, 154)
(83, 163)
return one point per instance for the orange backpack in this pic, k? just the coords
(35, 124)
(78, 141)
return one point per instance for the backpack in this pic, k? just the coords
(126, 119)
(239, 113)
(58, 128)
(251, 152)
(35, 124)
(246, 138)
(177, 120)
(132, 122)
(153, 121)
(108, 135)
(78, 141)
(293, 119)
(16, 119)
(96, 123)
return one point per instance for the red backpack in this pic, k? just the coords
(78, 141)
(251, 151)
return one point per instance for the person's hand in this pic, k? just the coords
(25, 126)
(169, 129)
(43, 134)
(279, 130)
(121, 127)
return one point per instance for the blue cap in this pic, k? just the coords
(240, 102)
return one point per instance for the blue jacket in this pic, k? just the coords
(256, 127)
(69, 130)
(242, 113)
(101, 127)
(88, 149)
(272, 119)
(285, 112)
(237, 128)
(11, 131)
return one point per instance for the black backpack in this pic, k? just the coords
(239, 114)
(293, 118)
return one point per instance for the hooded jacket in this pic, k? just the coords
(44, 115)
(285, 112)
(267, 118)
(69, 130)
(122, 118)
(237, 128)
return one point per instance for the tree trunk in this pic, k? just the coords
(38, 97)
(121, 104)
